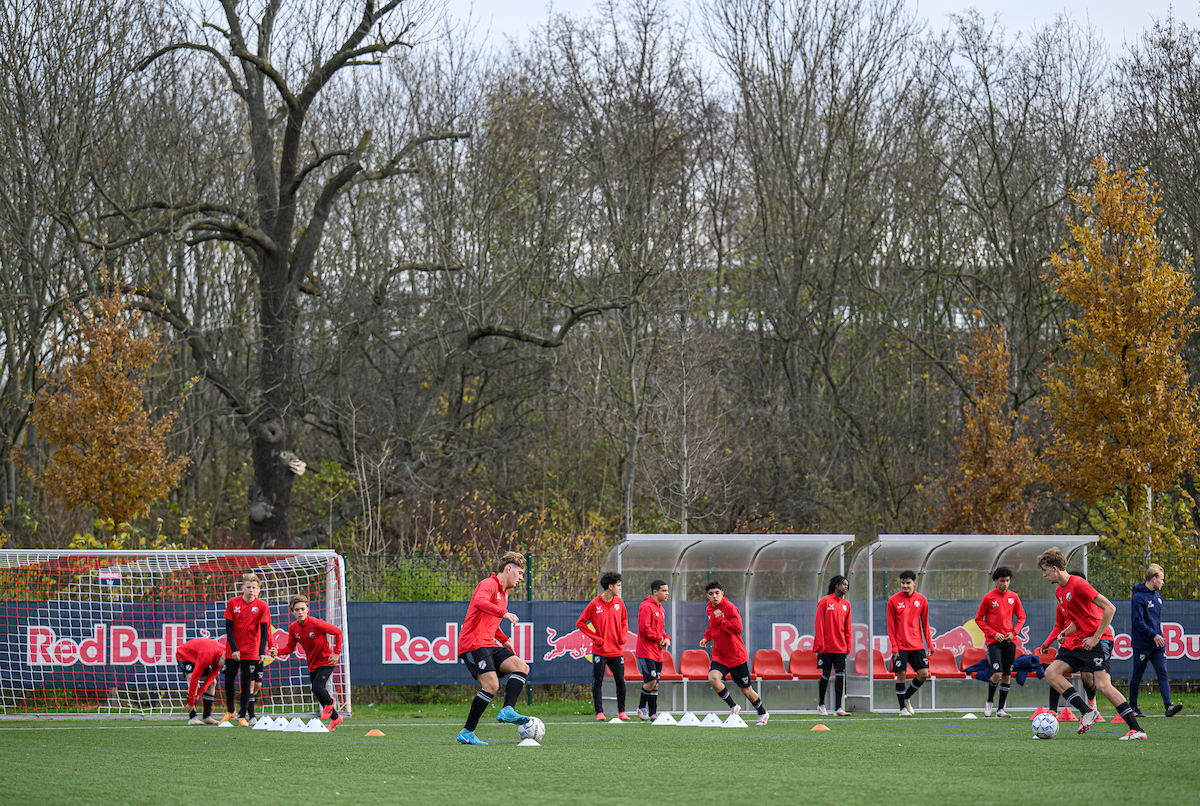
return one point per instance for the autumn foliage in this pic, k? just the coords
(997, 463)
(1124, 414)
(109, 453)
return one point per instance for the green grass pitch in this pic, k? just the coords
(862, 759)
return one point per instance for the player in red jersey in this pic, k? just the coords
(832, 639)
(606, 621)
(907, 627)
(1092, 614)
(652, 639)
(247, 628)
(201, 659)
(1000, 618)
(487, 652)
(1069, 637)
(728, 651)
(310, 632)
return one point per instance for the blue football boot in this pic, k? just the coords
(509, 714)
(468, 737)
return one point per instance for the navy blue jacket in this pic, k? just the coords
(1147, 617)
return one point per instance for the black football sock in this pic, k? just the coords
(478, 706)
(726, 696)
(1090, 691)
(652, 702)
(244, 701)
(1126, 712)
(1003, 695)
(912, 687)
(250, 705)
(991, 692)
(644, 699)
(822, 688)
(207, 700)
(839, 683)
(758, 706)
(192, 714)
(1053, 699)
(900, 692)
(230, 683)
(621, 693)
(513, 689)
(1075, 701)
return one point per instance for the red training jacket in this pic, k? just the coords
(907, 622)
(1075, 598)
(207, 656)
(725, 632)
(831, 627)
(481, 626)
(606, 623)
(1000, 613)
(246, 618)
(310, 634)
(652, 628)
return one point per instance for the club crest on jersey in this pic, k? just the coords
(917, 603)
(1068, 597)
(254, 610)
(1010, 601)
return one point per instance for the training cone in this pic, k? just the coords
(664, 718)
(735, 721)
(819, 727)
(295, 726)
(1115, 719)
(274, 724)
(710, 721)
(1100, 718)
(1066, 715)
(375, 732)
(225, 724)
(263, 724)
(281, 723)
(529, 743)
(969, 716)
(689, 719)
(315, 725)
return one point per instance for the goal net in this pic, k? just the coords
(96, 632)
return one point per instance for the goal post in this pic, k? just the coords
(95, 632)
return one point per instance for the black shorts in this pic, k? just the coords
(739, 673)
(1087, 660)
(485, 659)
(651, 669)
(831, 662)
(916, 659)
(1001, 656)
(251, 669)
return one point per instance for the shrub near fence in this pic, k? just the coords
(452, 577)
(1116, 576)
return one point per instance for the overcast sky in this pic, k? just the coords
(1117, 20)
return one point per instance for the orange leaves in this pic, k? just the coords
(1125, 417)
(109, 453)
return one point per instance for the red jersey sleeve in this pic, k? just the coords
(484, 602)
(584, 618)
(981, 619)
(893, 629)
(1018, 615)
(336, 632)
(293, 635)
(819, 628)
(731, 620)
(848, 627)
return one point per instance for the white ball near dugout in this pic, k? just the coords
(533, 729)
(1045, 726)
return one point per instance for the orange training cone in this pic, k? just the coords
(1065, 715)
(1118, 718)
(818, 727)
(375, 732)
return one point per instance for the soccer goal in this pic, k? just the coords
(95, 632)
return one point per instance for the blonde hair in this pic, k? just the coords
(511, 557)
(295, 600)
(251, 578)
(1153, 570)
(1052, 558)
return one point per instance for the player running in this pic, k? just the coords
(907, 627)
(606, 621)
(247, 628)
(832, 639)
(1000, 618)
(1091, 613)
(652, 639)
(728, 651)
(310, 632)
(487, 652)
(201, 659)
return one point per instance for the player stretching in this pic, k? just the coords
(247, 627)
(487, 651)
(1000, 617)
(1091, 613)
(907, 626)
(201, 659)
(606, 621)
(309, 632)
(832, 638)
(651, 641)
(728, 651)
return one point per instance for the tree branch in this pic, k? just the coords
(238, 87)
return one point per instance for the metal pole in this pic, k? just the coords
(529, 603)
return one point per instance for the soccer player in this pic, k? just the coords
(247, 627)
(728, 651)
(1148, 641)
(310, 632)
(1091, 613)
(907, 627)
(201, 659)
(606, 621)
(1068, 636)
(651, 641)
(832, 639)
(487, 652)
(1000, 617)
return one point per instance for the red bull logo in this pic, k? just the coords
(958, 640)
(786, 639)
(125, 648)
(577, 644)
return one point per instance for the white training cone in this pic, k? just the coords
(969, 716)
(688, 719)
(529, 743)
(613, 719)
(263, 724)
(273, 724)
(711, 721)
(225, 724)
(735, 721)
(315, 725)
(295, 726)
(664, 718)
(281, 723)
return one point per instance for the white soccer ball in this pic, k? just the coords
(533, 729)
(1045, 726)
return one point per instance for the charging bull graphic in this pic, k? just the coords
(577, 644)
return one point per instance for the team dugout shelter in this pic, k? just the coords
(776, 580)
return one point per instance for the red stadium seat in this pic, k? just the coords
(1047, 656)
(803, 665)
(972, 656)
(632, 674)
(881, 671)
(941, 664)
(693, 664)
(668, 674)
(768, 665)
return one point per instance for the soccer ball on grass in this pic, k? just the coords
(533, 729)
(1045, 726)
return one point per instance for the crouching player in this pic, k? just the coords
(201, 658)
(309, 632)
